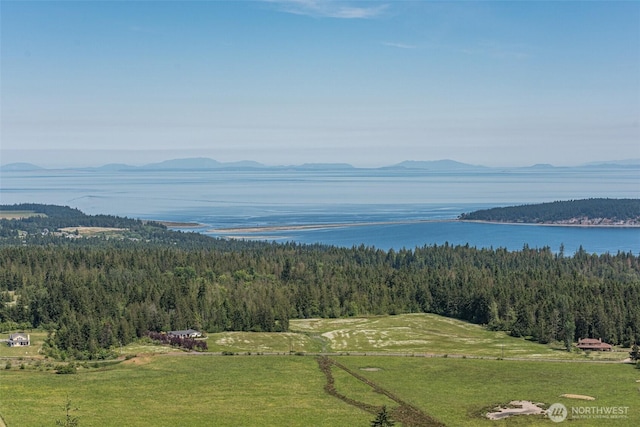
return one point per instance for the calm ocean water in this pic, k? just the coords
(249, 198)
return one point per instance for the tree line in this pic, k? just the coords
(93, 294)
(95, 297)
(613, 209)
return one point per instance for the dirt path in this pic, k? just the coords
(2, 423)
(405, 413)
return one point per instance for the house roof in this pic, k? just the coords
(184, 332)
(592, 343)
(589, 341)
(18, 336)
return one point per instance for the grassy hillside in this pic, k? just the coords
(405, 334)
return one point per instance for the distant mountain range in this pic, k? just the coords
(437, 165)
(18, 167)
(203, 163)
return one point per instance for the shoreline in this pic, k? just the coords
(325, 226)
(550, 224)
(321, 226)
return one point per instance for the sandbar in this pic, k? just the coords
(175, 224)
(291, 227)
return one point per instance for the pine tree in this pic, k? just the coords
(383, 419)
(69, 420)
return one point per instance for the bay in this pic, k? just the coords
(389, 201)
(509, 236)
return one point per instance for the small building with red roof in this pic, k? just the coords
(593, 344)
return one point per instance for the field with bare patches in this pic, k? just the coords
(92, 231)
(19, 214)
(434, 335)
(263, 342)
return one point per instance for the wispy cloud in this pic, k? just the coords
(399, 45)
(329, 8)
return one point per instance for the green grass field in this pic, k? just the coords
(458, 391)
(180, 391)
(37, 338)
(289, 390)
(402, 334)
(263, 342)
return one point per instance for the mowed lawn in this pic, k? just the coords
(180, 391)
(14, 353)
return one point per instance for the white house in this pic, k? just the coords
(189, 333)
(19, 340)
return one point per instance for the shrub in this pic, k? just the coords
(186, 343)
(66, 369)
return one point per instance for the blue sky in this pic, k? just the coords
(290, 82)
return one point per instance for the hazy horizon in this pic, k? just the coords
(52, 159)
(369, 83)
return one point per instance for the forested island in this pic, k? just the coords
(586, 212)
(96, 291)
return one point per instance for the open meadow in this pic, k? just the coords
(405, 334)
(178, 391)
(290, 390)
(426, 369)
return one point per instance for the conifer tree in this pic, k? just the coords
(383, 419)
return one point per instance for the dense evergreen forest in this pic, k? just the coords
(95, 294)
(589, 211)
